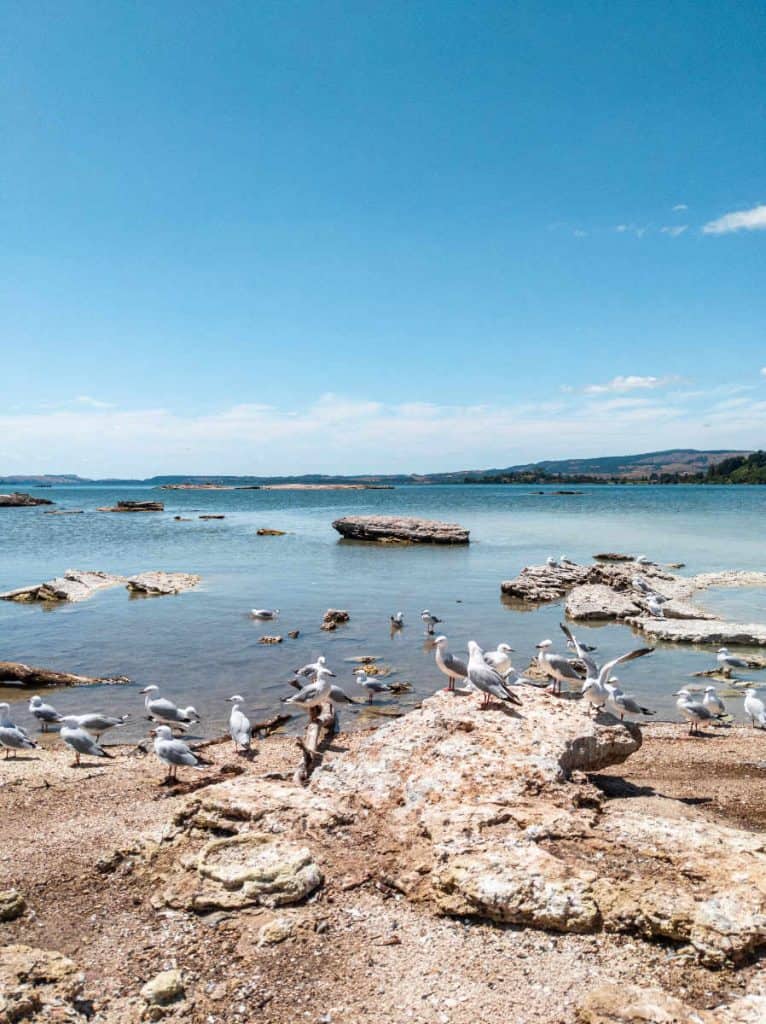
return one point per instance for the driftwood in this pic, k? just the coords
(29, 675)
(319, 732)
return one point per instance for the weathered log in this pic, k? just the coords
(319, 732)
(14, 672)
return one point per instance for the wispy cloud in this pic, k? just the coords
(763, 371)
(739, 220)
(675, 230)
(639, 230)
(680, 207)
(93, 403)
(629, 383)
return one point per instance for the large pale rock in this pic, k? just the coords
(165, 987)
(700, 631)
(157, 583)
(74, 585)
(597, 601)
(634, 1004)
(37, 984)
(19, 499)
(403, 529)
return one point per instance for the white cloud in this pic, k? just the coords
(680, 207)
(763, 371)
(639, 230)
(739, 220)
(630, 383)
(93, 403)
(675, 230)
(579, 233)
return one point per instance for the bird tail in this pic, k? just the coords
(646, 711)
(105, 753)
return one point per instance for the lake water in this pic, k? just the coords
(202, 646)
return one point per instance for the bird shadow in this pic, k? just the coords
(24, 757)
(617, 787)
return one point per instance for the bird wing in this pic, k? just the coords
(309, 692)
(455, 664)
(563, 666)
(603, 676)
(487, 680)
(590, 665)
(177, 752)
(338, 696)
(163, 707)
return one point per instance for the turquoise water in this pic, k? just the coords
(202, 646)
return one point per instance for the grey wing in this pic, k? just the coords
(590, 665)
(338, 696)
(564, 667)
(455, 664)
(487, 680)
(84, 744)
(603, 676)
(631, 704)
(310, 692)
(47, 713)
(737, 662)
(177, 752)
(164, 708)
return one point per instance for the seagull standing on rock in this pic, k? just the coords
(453, 668)
(45, 714)
(694, 711)
(755, 709)
(551, 562)
(371, 686)
(429, 621)
(728, 662)
(13, 737)
(713, 702)
(314, 693)
(80, 741)
(500, 659)
(486, 679)
(623, 703)
(310, 670)
(564, 562)
(174, 752)
(556, 666)
(165, 710)
(240, 729)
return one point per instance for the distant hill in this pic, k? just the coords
(666, 466)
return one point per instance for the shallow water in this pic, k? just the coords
(203, 646)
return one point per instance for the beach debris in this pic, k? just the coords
(210, 515)
(19, 499)
(15, 672)
(270, 640)
(74, 585)
(294, 634)
(182, 519)
(264, 532)
(400, 529)
(333, 618)
(164, 988)
(134, 506)
(158, 583)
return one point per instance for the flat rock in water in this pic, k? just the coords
(400, 529)
(16, 672)
(597, 601)
(74, 585)
(19, 499)
(701, 631)
(158, 583)
(135, 506)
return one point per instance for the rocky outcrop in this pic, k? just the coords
(537, 583)
(135, 506)
(12, 905)
(333, 618)
(18, 499)
(696, 631)
(38, 984)
(74, 585)
(159, 583)
(15, 672)
(486, 814)
(400, 529)
(634, 1004)
(597, 601)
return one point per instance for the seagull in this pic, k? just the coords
(624, 703)
(713, 702)
(728, 662)
(559, 668)
(173, 752)
(166, 711)
(755, 708)
(310, 670)
(239, 724)
(646, 588)
(397, 621)
(485, 678)
(500, 660)
(643, 560)
(98, 723)
(429, 621)
(372, 686)
(315, 693)
(264, 613)
(654, 607)
(694, 711)
(551, 562)
(588, 648)
(13, 737)
(564, 562)
(79, 740)
(598, 688)
(453, 668)
(45, 714)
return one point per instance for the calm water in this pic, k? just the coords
(202, 646)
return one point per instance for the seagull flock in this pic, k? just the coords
(490, 673)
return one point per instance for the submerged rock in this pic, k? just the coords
(696, 631)
(400, 529)
(74, 585)
(158, 583)
(333, 618)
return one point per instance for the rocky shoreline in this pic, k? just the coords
(563, 858)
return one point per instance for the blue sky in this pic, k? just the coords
(323, 236)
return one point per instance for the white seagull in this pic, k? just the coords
(598, 688)
(551, 562)
(80, 741)
(45, 714)
(13, 737)
(564, 561)
(624, 703)
(500, 659)
(556, 666)
(713, 702)
(310, 670)
(264, 613)
(174, 752)
(166, 711)
(240, 729)
(643, 560)
(397, 621)
(755, 709)
(654, 607)
(729, 662)
(315, 693)
(453, 668)
(486, 679)
(694, 711)
(371, 686)
(429, 621)
(97, 723)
